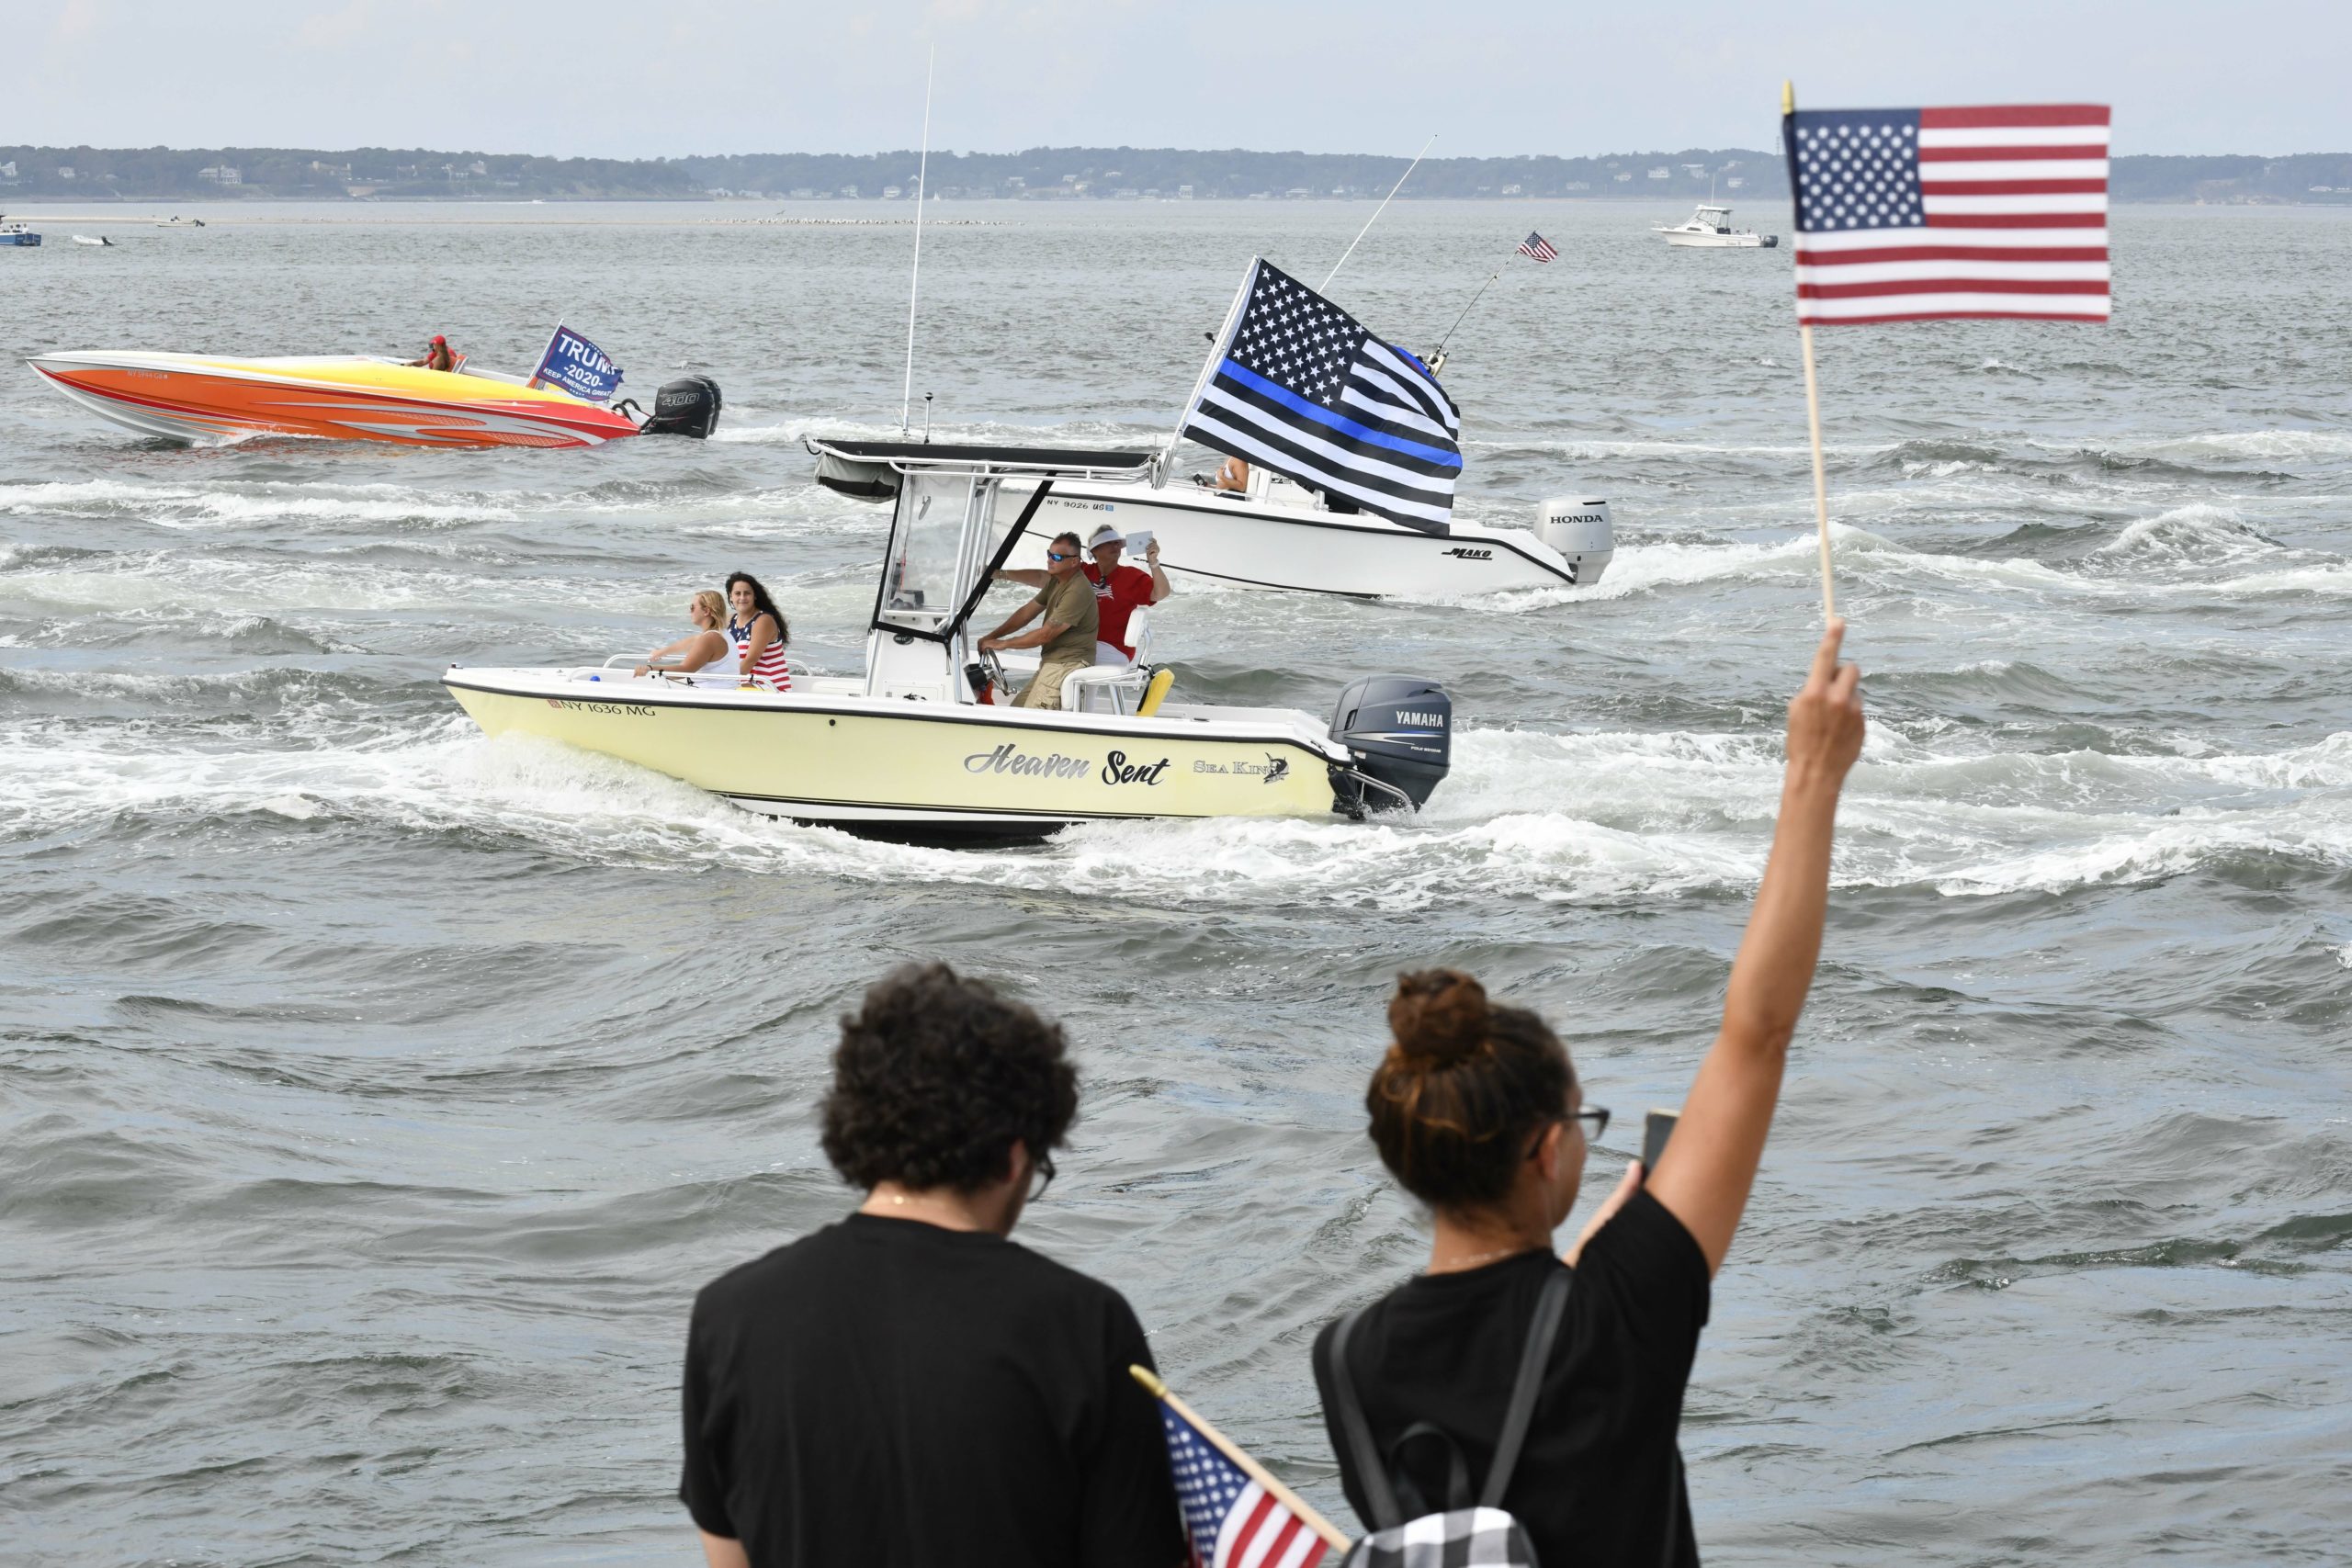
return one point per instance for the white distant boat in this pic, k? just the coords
(1283, 536)
(92, 240)
(176, 221)
(1711, 227)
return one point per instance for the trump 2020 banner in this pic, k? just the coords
(579, 367)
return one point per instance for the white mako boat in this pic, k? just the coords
(1281, 535)
(918, 748)
(1710, 228)
(1277, 531)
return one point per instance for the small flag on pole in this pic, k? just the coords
(1539, 247)
(1912, 215)
(1236, 1514)
(1297, 385)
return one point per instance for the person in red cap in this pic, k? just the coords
(438, 356)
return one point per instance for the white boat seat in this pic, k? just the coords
(1105, 688)
(1139, 635)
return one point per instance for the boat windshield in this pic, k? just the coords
(925, 568)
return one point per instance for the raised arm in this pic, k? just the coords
(1710, 1163)
(1027, 576)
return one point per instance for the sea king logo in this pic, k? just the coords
(1273, 770)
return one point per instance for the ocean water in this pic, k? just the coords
(373, 1097)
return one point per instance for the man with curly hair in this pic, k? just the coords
(909, 1386)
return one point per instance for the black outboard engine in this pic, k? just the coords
(1399, 730)
(685, 407)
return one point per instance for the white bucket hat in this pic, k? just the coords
(1105, 535)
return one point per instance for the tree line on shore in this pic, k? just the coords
(1733, 175)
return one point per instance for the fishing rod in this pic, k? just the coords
(914, 284)
(1437, 356)
(1377, 211)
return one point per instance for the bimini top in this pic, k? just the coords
(871, 470)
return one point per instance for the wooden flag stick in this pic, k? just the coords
(1812, 384)
(1256, 1472)
(1820, 484)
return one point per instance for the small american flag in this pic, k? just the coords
(1912, 215)
(1539, 247)
(1233, 1521)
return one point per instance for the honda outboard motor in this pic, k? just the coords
(684, 407)
(1581, 530)
(1399, 731)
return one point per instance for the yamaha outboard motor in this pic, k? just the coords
(1399, 730)
(684, 407)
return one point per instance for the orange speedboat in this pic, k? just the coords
(200, 399)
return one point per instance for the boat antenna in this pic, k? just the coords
(1378, 210)
(1439, 352)
(914, 283)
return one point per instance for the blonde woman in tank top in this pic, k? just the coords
(704, 648)
(758, 631)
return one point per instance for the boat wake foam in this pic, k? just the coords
(1544, 817)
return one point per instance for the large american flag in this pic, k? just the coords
(1233, 1521)
(1539, 247)
(1909, 214)
(1299, 386)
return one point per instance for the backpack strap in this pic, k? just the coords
(1371, 1470)
(1533, 1359)
(1457, 1473)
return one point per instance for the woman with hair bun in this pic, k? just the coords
(1476, 1110)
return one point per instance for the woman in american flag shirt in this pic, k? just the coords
(758, 632)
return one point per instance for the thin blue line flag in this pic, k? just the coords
(1299, 386)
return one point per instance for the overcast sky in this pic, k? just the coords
(646, 78)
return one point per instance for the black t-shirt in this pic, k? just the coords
(887, 1392)
(1599, 1482)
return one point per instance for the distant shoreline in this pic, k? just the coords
(252, 211)
(32, 175)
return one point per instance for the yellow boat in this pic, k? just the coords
(910, 749)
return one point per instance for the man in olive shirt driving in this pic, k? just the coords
(1066, 636)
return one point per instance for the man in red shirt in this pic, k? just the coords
(1119, 590)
